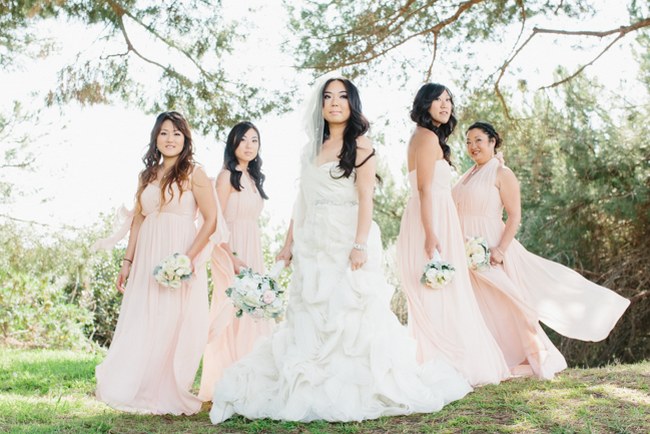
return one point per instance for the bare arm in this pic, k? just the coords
(285, 253)
(202, 190)
(511, 197)
(365, 180)
(224, 190)
(427, 152)
(130, 251)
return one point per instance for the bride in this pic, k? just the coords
(341, 355)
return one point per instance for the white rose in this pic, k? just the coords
(252, 299)
(183, 271)
(268, 297)
(183, 261)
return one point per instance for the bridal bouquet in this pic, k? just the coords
(437, 273)
(478, 253)
(173, 270)
(258, 295)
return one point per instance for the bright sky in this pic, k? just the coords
(88, 160)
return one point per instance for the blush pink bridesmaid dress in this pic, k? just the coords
(527, 289)
(231, 338)
(445, 322)
(161, 332)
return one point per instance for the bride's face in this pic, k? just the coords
(336, 108)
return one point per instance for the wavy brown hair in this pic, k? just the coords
(180, 172)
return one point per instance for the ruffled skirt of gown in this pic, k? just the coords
(341, 354)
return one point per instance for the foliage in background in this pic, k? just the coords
(412, 37)
(156, 56)
(583, 165)
(40, 290)
(389, 201)
(578, 149)
(16, 156)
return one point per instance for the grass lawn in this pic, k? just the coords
(44, 391)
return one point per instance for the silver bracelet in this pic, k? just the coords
(360, 247)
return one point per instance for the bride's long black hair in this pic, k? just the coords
(356, 127)
(230, 161)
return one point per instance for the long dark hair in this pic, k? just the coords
(356, 126)
(488, 129)
(230, 161)
(421, 116)
(180, 172)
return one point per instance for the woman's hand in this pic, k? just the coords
(285, 255)
(122, 276)
(496, 256)
(358, 258)
(238, 264)
(431, 244)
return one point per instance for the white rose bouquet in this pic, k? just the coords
(437, 273)
(258, 295)
(478, 253)
(173, 270)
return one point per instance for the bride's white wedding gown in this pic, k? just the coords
(341, 354)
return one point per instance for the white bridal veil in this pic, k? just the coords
(313, 121)
(314, 125)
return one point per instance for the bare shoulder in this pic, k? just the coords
(505, 174)
(223, 176)
(364, 148)
(199, 177)
(425, 134)
(425, 141)
(423, 137)
(364, 144)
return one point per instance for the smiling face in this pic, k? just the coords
(170, 140)
(248, 147)
(441, 108)
(336, 107)
(480, 146)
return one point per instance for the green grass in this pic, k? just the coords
(43, 391)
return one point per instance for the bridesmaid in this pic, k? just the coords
(241, 196)
(445, 321)
(520, 289)
(161, 332)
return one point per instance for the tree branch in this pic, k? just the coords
(462, 8)
(433, 57)
(23, 165)
(497, 88)
(398, 13)
(621, 31)
(119, 12)
(640, 296)
(166, 41)
(582, 68)
(600, 34)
